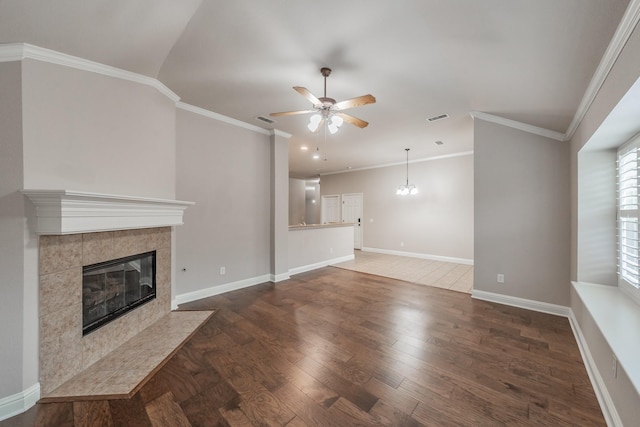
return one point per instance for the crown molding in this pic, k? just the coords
(222, 118)
(518, 125)
(20, 51)
(628, 23)
(280, 133)
(386, 165)
(69, 212)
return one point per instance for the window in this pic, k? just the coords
(628, 215)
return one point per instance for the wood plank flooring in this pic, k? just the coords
(334, 347)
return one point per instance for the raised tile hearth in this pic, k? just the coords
(124, 370)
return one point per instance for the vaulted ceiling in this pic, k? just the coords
(530, 61)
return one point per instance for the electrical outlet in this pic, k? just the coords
(401, 244)
(614, 366)
(223, 271)
(500, 278)
(330, 250)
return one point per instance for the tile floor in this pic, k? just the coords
(447, 275)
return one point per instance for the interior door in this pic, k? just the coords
(330, 209)
(352, 212)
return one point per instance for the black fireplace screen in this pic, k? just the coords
(111, 289)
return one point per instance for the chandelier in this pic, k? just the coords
(406, 189)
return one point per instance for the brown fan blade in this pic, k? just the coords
(354, 102)
(311, 97)
(292, 113)
(352, 120)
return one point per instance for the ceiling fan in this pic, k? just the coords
(327, 109)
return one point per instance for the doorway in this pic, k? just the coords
(352, 212)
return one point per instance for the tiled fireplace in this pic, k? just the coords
(64, 351)
(79, 229)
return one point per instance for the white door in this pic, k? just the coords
(352, 212)
(330, 209)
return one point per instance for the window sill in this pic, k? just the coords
(618, 318)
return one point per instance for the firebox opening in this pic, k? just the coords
(112, 288)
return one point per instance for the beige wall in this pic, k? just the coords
(297, 208)
(88, 132)
(16, 373)
(436, 222)
(522, 214)
(225, 170)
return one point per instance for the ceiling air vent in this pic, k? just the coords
(436, 118)
(266, 120)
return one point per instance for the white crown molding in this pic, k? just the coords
(386, 165)
(518, 125)
(222, 118)
(628, 23)
(621, 36)
(68, 212)
(280, 133)
(19, 51)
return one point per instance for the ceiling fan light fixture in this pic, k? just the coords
(314, 122)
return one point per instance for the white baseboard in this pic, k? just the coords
(604, 398)
(602, 394)
(275, 278)
(543, 307)
(219, 289)
(420, 255)
(20, 402)
(321, 264)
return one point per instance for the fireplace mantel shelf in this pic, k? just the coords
(70, 212)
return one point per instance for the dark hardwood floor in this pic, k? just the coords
(334, 347)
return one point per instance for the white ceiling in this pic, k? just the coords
(529, 61)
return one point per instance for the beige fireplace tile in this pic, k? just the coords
(97, 247)
(127, 242)
(60, 290)
(64, 360)
(59, 253)
(64, 324)
(163, 269)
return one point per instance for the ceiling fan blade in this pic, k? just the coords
(352, 120)
(304, 92)
(354, 102)
(291, 113)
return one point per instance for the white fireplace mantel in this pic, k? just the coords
(69, 212)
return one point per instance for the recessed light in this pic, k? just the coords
(316, 156)
(304, 148)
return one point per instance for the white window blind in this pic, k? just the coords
(628, 214)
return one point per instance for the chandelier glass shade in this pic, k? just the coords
(407, 189)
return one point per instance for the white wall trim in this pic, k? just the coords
(518, 125)
(19, 51)
(275, 278)
(420, 255)
(623, 32)
(386, 165)
(602, 393)
(543, 307)
(69, 212)
(305, 268)
(219, 289)
(20, 402)
(222, 118)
